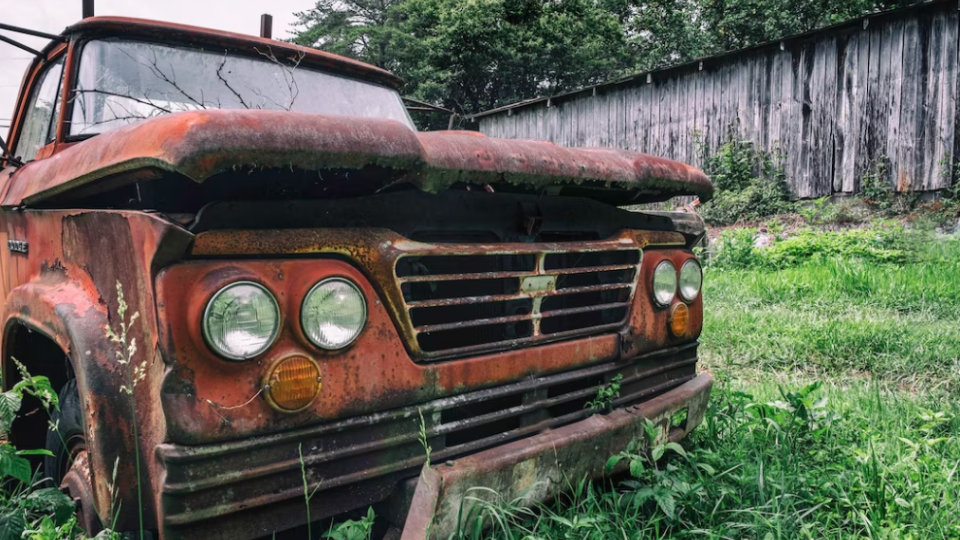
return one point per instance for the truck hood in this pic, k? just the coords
(200, 144)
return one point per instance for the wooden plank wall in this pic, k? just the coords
(834, 104)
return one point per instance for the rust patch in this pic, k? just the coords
(537, 468)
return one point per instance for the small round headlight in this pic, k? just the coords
(691, 278)
(241, 320)
(664, 283)
(333, 313)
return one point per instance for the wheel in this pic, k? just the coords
(69, 466)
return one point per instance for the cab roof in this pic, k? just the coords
(167, 32)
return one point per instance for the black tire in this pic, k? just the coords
(68, 437)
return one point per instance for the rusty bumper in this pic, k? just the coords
(534, 469)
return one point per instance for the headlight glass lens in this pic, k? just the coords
(333, 313)
(664, 283)
(691, 278)
(241, 320)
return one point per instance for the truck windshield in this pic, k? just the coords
(123, 82)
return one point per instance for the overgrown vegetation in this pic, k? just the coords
(887, 242)
(29, 507)
(848, 460)
(749, 183)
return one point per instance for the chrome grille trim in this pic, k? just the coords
(600, 282)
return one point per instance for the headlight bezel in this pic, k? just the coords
(363, 303)
(206, 317)
(680, 287)
(653, 283)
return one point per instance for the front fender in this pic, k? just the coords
(69, 313)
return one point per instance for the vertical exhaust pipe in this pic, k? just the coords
(266, 25)
(87, 9)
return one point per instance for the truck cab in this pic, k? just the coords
(318, 295)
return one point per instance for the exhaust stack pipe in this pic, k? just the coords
(266, 25)
(87, 9)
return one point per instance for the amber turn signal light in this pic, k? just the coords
(293, 383)
(679, 317)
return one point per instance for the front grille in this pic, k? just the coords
(460, 304)
(353, 463)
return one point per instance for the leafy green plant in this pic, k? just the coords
(606, 394)
(797, 412)
(360, 529)
(26, 508)
(750, 183)
(877, 192)
(650, 482)
(875, 188)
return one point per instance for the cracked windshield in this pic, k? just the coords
(123, 82)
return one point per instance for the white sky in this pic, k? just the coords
(53, 16)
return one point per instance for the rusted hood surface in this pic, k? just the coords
(200, 144)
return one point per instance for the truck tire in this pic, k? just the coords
(69, 466)
(69, 434)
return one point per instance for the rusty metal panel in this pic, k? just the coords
(537, 468)
(206, 398)
(61, 289)
(199, 144)
(474, 157)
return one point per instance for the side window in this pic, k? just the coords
(39, 125)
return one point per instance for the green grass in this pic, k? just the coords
(834, 416)
(841, 315)
(875, 464)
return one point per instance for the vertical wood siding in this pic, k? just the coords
(834, 103)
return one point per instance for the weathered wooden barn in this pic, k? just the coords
(835, 103)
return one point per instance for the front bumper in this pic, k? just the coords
(251, 487)
(534, 469)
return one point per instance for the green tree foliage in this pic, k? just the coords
(356, 28)
(471, 55)
(732, 24)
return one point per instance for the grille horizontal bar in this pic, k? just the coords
(459, 304)
(503, 297)
(488, 275)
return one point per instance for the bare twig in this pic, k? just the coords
(288, 73)
(125, 96)
(227, 84)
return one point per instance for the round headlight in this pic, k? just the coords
(333, 313)
(664, 283)
(241, 320)
(691, 278)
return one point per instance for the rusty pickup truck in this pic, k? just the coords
(318, 286)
